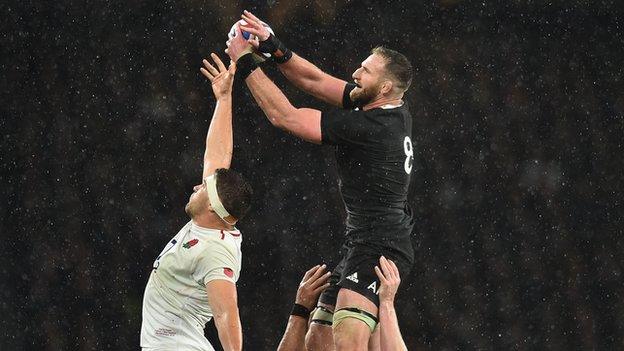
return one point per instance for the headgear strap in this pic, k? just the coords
(213, 196)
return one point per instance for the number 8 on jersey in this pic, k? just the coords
(409, 153)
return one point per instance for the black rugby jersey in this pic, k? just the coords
(374, 154)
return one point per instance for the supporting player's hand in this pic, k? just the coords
(255, 27)
(220, 77)
(238, 46)
(389, 278)
(313, 283)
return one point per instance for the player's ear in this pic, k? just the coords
(386, 87)
(209, 205)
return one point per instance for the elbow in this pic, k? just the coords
(219, 317)
(281, 119)
(221, 320)
(225, 315)
(276, 121)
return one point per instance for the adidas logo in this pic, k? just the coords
(353, 277)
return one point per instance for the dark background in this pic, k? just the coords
(517, 183)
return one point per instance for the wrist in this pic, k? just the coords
(244, 52)
(388, 304)
(278, 51)
(245, 65)
(300, 311)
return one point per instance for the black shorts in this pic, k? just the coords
(356, 270)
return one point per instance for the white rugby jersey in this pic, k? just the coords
(175, 303)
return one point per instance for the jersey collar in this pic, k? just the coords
(390, 106)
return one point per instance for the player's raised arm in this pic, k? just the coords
(390, 279)
(219, 140)
(313, 283)
(299, 71)
(302, 122)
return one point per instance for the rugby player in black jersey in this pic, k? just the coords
(372, 139)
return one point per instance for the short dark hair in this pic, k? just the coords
(234, 192)
(397, 65)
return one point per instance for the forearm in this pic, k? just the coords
(311, 79)
(294, 336)
(391, 339)
(304, 123)
(271, 100)
(301, 72)
(230, 330)
(219, 139)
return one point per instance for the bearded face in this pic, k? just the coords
(368, 78)
(362, 95)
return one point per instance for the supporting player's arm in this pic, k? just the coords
(299, 71)
(223, 302)
(391, 339)
(219, 139)
(313, 283)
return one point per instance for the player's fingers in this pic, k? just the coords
(210, 68)
(385, 266)
(387, 269)
(320, 280)
(256, 24)
(381, 276)
(378, 272)
(393, 271)
(248, 18)
(394, 268)
(254, 42)
(250, 29)
(319, 272)
(248, 21)
(251, 15)
(382, 265)
(218, 61)
(247, 28)
(238, 32)
(309, 272)
(232, 67)
(321, 288)
(206, 74)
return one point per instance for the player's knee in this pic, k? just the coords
(319, 338)
(314, 340)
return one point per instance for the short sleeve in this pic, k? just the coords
(342, 127)
(217, 261)
(347, 103)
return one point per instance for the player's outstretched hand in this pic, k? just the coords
(220, 77)
(238, 46)
(389, 278)
(255, 27)
(313, 283)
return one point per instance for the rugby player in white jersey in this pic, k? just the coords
(194, 277)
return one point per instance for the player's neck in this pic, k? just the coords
(212, 222)
(381, 102)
